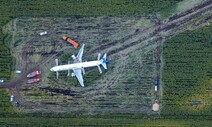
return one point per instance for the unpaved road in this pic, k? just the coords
(153, 32)
(129, 43)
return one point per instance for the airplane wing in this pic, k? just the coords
(79, 55)
(78, 73)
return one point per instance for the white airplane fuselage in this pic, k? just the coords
(76, 65)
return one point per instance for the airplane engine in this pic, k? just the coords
(72, 74)
(73, 56)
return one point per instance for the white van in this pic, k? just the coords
(12, 98)
(43, 33)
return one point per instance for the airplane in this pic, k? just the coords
(78, 66)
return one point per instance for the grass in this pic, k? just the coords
(125, 85)
(83, 8)
(187, 72)
(5, 105)
(13, 9)
(10, 9)
(75, 121)
(187, 4)
(195, 20)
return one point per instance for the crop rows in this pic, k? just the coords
(36, 9)
(5, 63)
(187, 72)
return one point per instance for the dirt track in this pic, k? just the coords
(123, 45)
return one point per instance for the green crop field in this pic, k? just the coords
(127, 78)
(84, 7)
(188, 93)
(187, 74)
(5, 106)
(93, 121)
(12, 8)
(5, 64)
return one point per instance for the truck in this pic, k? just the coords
(34, 80)
(33, 74)
(69, 40)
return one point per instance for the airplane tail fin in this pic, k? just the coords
(104, 61)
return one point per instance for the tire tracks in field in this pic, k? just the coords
(129, 42)
(154, 31)
(172, 22)
(163, 28)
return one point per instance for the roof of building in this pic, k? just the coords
(155, 107)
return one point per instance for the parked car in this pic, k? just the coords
(18, 71)
(12, 98)
(43, 33)
(17, 104)
(1, 81)
(156, 82)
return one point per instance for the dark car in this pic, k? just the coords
(156, 82)
(17, 104)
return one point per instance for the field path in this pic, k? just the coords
(130, 43)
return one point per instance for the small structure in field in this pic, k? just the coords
(155, 107)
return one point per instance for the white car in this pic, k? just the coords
(43, 33)
(12, 98)
(17, 71)
(1, 81)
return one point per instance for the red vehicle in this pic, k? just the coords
(69, 40)
(33, 74)
(34, 80)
